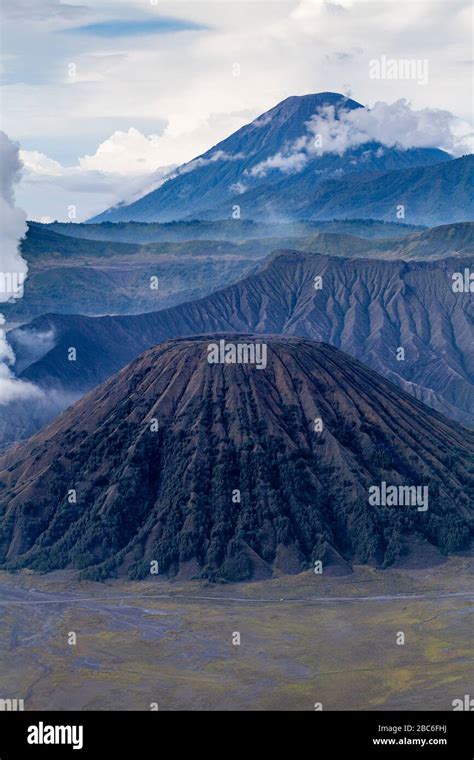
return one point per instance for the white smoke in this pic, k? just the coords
(395, 125)
(11, 388)
(13, 267)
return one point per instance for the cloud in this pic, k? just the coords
(33, 345)
(126, 166)
(36, 162)
(11, 388)
(134, 28)
(123, 168)
(291, 163)
(25, 406)
(125, 153)
(395, 125)
(13, 267)
(30, 10)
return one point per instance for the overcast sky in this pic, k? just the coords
(103, 95)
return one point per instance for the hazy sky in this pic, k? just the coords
(103, 94)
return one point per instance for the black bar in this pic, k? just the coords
(310, 735)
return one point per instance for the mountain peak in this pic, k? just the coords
(313, 101)
(265, 165)
(293, 113)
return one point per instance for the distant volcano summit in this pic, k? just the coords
(276, 168)
(234, 457)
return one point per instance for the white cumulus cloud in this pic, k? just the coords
(126, 153)
(395, 125)
(126, 166)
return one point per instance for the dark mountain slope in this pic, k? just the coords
(367, 308)
(432, 195)
(169, 495)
